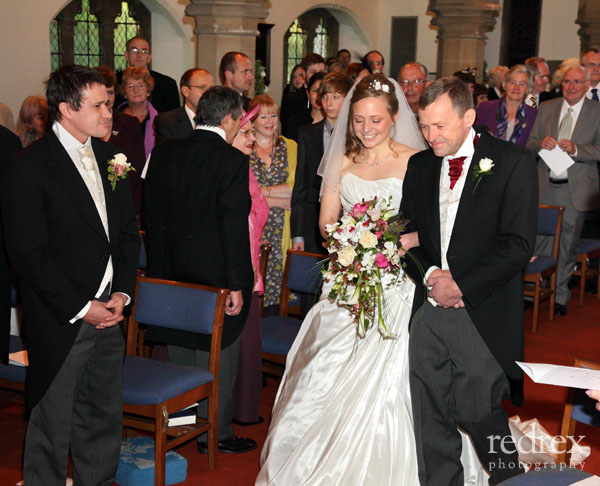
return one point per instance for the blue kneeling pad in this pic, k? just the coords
(136, 465)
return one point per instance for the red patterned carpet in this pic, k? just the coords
(558, 342)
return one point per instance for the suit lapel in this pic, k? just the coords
(553, 119)
(102, 158)
(581, 120)
(472, 190)
(68, 176)
(431, 184)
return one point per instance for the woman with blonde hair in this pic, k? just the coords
(273, 162)
(33, 119)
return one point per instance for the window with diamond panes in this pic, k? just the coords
(321, 40)
(86, 38)
(314, 31)
(55, 52)
(296, 46)
(126, 27)
(79, 33)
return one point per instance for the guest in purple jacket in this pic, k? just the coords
(509, 118)
(137, 86)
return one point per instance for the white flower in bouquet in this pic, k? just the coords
(367, 261)
(347, 255)
(367, 239)
(374, 214)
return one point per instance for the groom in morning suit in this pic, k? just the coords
(196, 208)
(74, 243)
(475, 237)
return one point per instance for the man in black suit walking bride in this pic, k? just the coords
(473, 199)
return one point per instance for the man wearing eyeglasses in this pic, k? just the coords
(165, 96)
(591, 61)
(540, 73)
(573, 124)
(413, 81)
(181, 122)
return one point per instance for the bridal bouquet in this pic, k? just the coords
(363, 247)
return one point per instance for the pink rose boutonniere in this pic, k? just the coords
(117, 169)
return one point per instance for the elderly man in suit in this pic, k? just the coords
(74, 243)
(476, 226)
(180, 122)
(538, 67)
(196, 208)
(573, 123)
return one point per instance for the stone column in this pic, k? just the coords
(588, 16)
(462, 25)
(223, 26)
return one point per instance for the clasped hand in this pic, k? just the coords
(106, 314)
(444, 289)
(549, 143)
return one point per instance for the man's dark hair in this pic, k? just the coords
(375, 52)
(593, 49)
(185, 77)
(216, 103)
(66, 85)
(229, 62)
(315, 77)
(456, 89)
(342, 50)
(110, 78)
(310, 59)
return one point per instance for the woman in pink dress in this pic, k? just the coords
(248, 384)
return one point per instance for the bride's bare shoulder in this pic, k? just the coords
(404, 151)
(347, 165)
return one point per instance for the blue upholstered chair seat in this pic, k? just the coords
(540, 264)
(278, 334)
(14, 372)
(587, 246)
(149, 382)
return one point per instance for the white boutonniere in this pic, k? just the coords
(117, 169)
(483, 168)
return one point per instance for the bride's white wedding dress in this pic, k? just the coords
(342, 415)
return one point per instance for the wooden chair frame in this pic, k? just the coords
(567, 428)
(533, 281)
(585, 273)
(154, 418)
(273, 363)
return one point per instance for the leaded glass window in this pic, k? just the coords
(80, 35)
(126, 27)
(55, 52)
(86, 38)
(296, 46)
(321, 40)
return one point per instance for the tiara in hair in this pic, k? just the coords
(379, 86)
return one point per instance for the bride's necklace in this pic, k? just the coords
(379, 162)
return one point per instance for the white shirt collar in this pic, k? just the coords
(191, 115)
(576, 108)
(68, 141)
(219, 131)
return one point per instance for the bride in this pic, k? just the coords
(342, 415)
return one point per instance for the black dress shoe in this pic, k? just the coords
(235, 445)
(560, 310)
(248, 424)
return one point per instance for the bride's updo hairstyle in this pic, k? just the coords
(372, 86)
